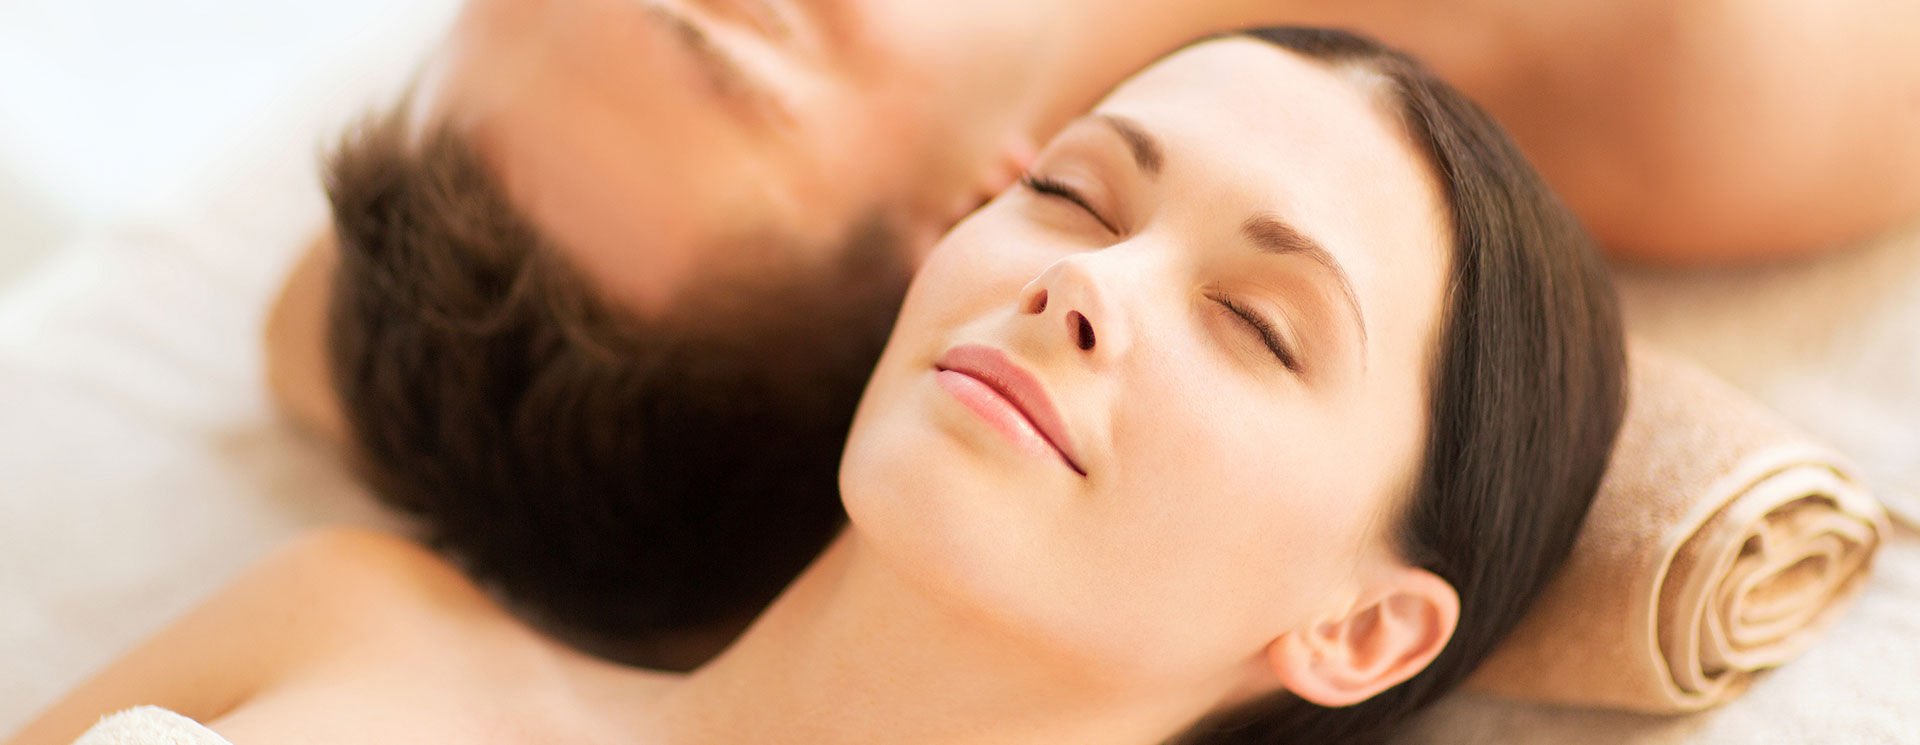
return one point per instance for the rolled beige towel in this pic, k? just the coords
(1722, 543)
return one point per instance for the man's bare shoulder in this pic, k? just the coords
(357, 581)
(331, 602)
(388, 629)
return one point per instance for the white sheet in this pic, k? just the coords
(149, 725)
(140, 466)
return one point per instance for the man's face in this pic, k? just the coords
(651, 140)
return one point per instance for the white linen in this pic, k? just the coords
(140, 465)
(149, 725)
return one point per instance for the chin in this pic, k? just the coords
(944, 511)
(908, 486)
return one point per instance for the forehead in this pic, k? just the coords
(1252, 128)
(1315, 136)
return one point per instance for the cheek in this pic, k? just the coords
(1242, 504)
(974, 275)
(847, 156)
(979, 269)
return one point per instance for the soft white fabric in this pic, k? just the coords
(140, 466)
(149, 725)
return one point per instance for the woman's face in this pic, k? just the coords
(1224, 285)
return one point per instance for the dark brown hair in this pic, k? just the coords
(1527, 395)
(614, 475)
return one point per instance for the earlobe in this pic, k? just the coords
(298, 377)
(1392, 634)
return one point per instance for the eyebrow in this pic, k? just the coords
(1268, 233)
(1271, 235)
(720, 69)
(1147, 153)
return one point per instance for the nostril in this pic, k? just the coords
(1039, 302)
(1082, 330)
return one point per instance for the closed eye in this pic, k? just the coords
(1044, 185)
(1265, 330)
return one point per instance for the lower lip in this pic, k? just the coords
(999, 413)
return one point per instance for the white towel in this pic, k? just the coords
(149, 725)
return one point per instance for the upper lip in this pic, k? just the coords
(997, 371)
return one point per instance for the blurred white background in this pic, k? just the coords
(157, 176)
(115, 108)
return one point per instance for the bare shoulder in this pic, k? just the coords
(347, 559)
(389, 630)
(357, 587)
(329, 600)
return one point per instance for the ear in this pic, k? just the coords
(296, 348)
(1396, 629)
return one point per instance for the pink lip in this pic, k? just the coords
(1006, 385)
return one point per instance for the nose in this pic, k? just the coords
(996, 176)
(1015, 156)
(1072, 304)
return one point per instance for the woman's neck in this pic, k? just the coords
(854, 653)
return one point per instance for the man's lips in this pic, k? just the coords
(1008, 397)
